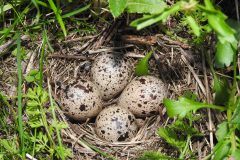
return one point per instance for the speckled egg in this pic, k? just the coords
(115, 123)
(111, 73)
(143, 96)
(81, 100)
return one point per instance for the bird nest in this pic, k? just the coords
(181, 68)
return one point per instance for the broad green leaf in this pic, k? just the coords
(148, 20)
(142, 66)
(224, 54)
(183, 106)
(33, 72)
(235, 25)
(145, 6)
(193, 25)
(5, 8)
(171, 137)
(222, 131)
(235, 154)
(216, 19)
(29, 79)
(221, 149)
(38, 76)
(221, 90)
(117, 7)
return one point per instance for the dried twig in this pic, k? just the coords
(209, 100)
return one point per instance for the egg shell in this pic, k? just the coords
(81, 100)
(111, 73)
(116, 124)
(143, 96)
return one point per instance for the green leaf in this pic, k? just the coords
(235, 154)
(9, 145)
(216, 19)
(190, 95)
(185, 105)
(193, 25)
(148, 20)
(77, 11)
(185, 129)
(38, 76)
(58, 16)
(142, 66)
(38, 90)
(236, 26)
(33, 72)
(171, 137)
(44, 97)
(236, 114)
(150, 155)
(29, 79)
(221, 90)
(60, 125)
(222, 131)
(61, 150)
(31, 94)
(221, 149)
(32, 103)
(6, 7)
(117, 7)
(145, 6)
(224, 54)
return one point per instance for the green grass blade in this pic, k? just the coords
(82, 9)
(19, 95)
(42, 3)
(58, 16)
(41, 59)
(48, 43)
(38, 10)
(55, 121)
(15, 23)
(98, 150)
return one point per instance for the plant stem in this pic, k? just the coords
(41, 59)
(98, 150)
(232, 105)
(185, 148)
(45, 124)
(19, 93)
(55, 122)
(34, 143)
(221, 108)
